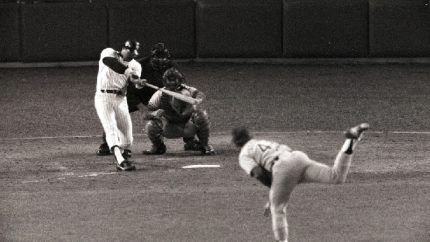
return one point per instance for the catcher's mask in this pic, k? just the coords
(133, 46)
(160, 56)
(172, 79)
(240, 136)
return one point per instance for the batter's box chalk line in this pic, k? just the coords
(200, 166)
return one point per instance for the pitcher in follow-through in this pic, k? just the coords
(281, 168)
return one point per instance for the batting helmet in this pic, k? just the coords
(240, 136)
(132, 45)
(173, 78)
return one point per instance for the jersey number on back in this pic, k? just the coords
(263, 148)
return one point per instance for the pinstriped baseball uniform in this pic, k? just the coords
(111, 102)
(288, 168)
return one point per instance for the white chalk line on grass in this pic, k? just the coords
(223, 133)
(66, 175)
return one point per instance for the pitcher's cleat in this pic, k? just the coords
(356, 131)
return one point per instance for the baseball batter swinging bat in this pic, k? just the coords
(179, 96)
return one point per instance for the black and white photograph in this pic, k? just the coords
(215, 120)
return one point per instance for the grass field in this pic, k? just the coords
(54, 188)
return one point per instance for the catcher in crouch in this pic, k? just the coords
(172, 118)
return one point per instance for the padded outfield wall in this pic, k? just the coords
(10, 34)
(77, 30)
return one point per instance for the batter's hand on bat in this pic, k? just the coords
(197, 105)
(141, 83)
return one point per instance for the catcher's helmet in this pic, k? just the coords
(173, 78)
(132, 45)
(240, 136)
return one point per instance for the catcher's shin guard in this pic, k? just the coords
(190, 143)
(201, 120)
(154, 131)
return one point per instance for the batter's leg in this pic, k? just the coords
(106, 107)
(104, 147)
(124, 124)
(105, 110)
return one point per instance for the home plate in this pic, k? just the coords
(200, 166)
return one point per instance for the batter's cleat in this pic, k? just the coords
(156, 150)
(207, 150)
(193, 145)
(126, 154)
(356, 131)
(125, 166)
(104, 150)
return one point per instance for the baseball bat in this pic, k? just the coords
(179, 96)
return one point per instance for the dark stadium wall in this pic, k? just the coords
(239, 28)
(330, 28)
(9, 32)
(77, 30)
(152, 21)
(399, 28)
(63, 31)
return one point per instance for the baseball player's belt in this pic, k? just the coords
(117, 92)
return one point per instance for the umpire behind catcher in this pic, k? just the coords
(153, 67)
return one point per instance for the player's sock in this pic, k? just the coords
(118, 155)
(343, 160)
(348, 146)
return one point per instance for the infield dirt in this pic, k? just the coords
(54, 188)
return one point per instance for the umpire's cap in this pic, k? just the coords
(240, 136)
(132, 45)
(159, 50)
